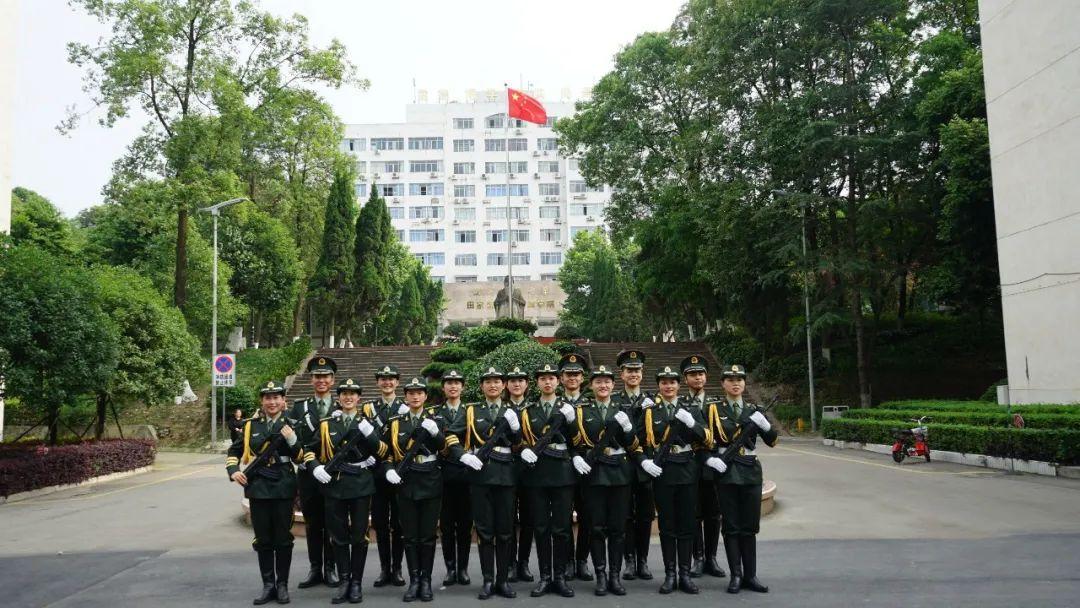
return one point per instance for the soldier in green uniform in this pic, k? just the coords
(707, 528)
(309, 412)
(642, 512)
(738, 486)
(493, 480)
(456, 520)
(675, 426)
(384, 511)
(349, 488)
(571, 377)
(549, 479)
(603, 443)
(271, 488)
(416, 438)
(517, 384)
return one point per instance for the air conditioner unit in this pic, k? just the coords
(558, 243)
(487, 223)
(536, 176)
(545, 152)
(376, 176)
(361, 177)
(579, 197)
(376, 151)
(396, 200)
(526, 200)
(393, 176)
(483, 176)
(590, 218)
(558, 220)
(558, 176)
(511, 176)
(456, 222)
(486, 201)
(517, 131)
(427, 220)
(453, 177)
(514, 245)
(433, 174)
(435, 199)
(523, 222)
(535, 153)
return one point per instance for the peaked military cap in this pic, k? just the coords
(733, 371)
(453, 374)
(350, 385)
(416, 384)
(693, 363)
(321, 365)
(546, 369)
(492, 372)
(630, 358)
(272, 387)
(387, 371)
(517, 372)
(602, 371)
(666, 372)
(572, 362)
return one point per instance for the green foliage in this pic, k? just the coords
(409, 314)
(255, 366)
(331, 285)
(482, 340)
(563, 347)
(451, 353)
(735, 345)
(526, 354)
(34, 220)
(930, 407)
(374, 239)
(568, 331)
(990, 394)
(525, 326)
(1032, 420)
(436, 369)
(455, 329)
(600, 299)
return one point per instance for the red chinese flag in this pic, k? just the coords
(526, 108)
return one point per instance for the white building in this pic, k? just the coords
(454, 199)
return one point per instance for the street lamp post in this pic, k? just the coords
(215, 211)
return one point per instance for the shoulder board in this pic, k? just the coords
(299, 401)
(526, 405)
(474, 404)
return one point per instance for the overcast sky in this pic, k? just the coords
(455, 45)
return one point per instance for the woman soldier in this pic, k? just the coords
(349, 489)
(605, 436)
(271, 488)
(418, 435)
(675, 426)
(517, 384)
(492, 482)
(456, 519)
(738, 487)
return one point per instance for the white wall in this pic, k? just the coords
(1032, 76)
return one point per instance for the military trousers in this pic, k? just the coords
(550, 508)
(347, 520)
(419, 518)
(676, 506)
(313, 506)
(271, 520)
(607, 507)
(740, 506)
(455, 523)
(385, 521)
(493, 511)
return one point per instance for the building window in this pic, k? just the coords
(465, 213)
(550, 122)
(356, 145)
(465, 259)
(549, 277)
(464, 168)
(494, 190)
(496, 259)
(494, 145)
(467, 191)
(396, 213)
(551, 257)
(425, 166)
(495, 121)
(400, 235)
(520, 259)
(593, 209)
(464, 145)
(361, 167)
(496, 236)
(547, 143)
(387, 143)
(425, 143)
(521, 166)
(435, 258)
(549, 189)
(463, 123)
(390, 166)
(499, 213)
(549, 235)
(547, 166)
(361, 189)
(425, 235)
(549, 213)
(519, 144)
(465, 236)
(393, 189)
(465, 279)
(432, 189)
(425, 212)
(572, 164)
(576, 229)
(579, 187)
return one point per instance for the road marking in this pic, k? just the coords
(118, 490)
(891, 467)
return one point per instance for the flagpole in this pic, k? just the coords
(509, 225)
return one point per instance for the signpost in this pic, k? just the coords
(224, 370)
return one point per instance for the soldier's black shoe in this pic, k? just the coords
(282, 592)
(558, 585)
(505, 590)
(512, 575)
(697, 568)
(630, 560)
(686, 583)
(734, 562)
(356, 594)
(569, 570)
(669, 579)
(269, 593)
(643, 571)
(314, 577)
(541, 589)
(342, 594)
(382, 580)
(748, 549)
(463, 577)
(330, 576)
(753, 584)
(266, 570)
(424, 590)
(413, 590)
(601, 582)
(523, 573)
(583, 573)
(615, 585)
(451, 574)
(282, 563)
(712, 568)
(487, 589)
(396, 578)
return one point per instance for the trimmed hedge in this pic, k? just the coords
(30, 466)
(1049, 445)
(974, 418)
(977, 406)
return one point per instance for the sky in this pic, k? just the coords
(454, 45)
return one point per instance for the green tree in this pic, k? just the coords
(34, 220)
(374, 240)
(600, 301)
(409, 314)
(331, 285)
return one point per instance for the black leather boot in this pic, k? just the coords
(734, 563)
(427, 563)
(599, 559)
(698, 565)
(502, 568)
(711, 529)
(397, 552)
(412, 560)
(686, 582)
(464, 544)
(341, 558)
(356, 579)
(601, 580)
(629, 557)
(543, 554)
(642, 539)
(282, 563)
(487, 589)
(543, 586)
(330, 571)
(582, 572)
(315, 551)
(667, 549)
(748, 549)
(524, 552)
(615, 556)
(487, 569)
(558, 585)
(382, 544)
(266, 570)
(314, 577)
(451, 573)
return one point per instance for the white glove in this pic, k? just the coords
(529, 456)
(335, 414)
(568, 412)
(472, 462)
(393, 477)
(369, 462)
(650, 467)
(716, 463)
(512, 419)
(646, 402)
(685, 417)
(365, 428)
(761, 421)
(402, 410)
(624, 421)
(582, 467)
(430, 426)
(321, 474)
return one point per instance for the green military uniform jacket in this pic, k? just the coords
(634, 407)
(421, 478)
(725, 427)
(553, 467)
(702, 452)
(353, 481)
(378, 412)
(657, 424)
(306, 413)
(256, 438)
(609, 469)
(452, 469)
(477, 429)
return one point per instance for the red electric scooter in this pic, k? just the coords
(912, 442)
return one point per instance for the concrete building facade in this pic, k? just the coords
(1031, 54)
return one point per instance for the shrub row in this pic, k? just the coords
(1034, 420)
(1051, 445)
(977, 406)
(29, 466)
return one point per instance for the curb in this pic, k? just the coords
(1013, 465)
(89, 482)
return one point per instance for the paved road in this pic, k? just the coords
(851, 528)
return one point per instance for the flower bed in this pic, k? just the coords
(30, 466)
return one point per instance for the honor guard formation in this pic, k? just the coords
(516, 471)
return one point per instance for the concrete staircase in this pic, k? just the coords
(657, 355)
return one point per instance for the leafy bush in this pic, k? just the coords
(455, 329)
(451, 353)
(735, 346)
(1049, 445)
(568, 331)
(436, 369)
(1033, 420)
(28, 466)
(527, 355)
(482, 340)
(991, 392)
(563, 347)
(525, 326)
(976, 406)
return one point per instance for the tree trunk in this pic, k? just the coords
(54, 421)
(901, 301)
(330, 330)
(99, 424)
(298, 313)
(861, 351)
(180, 277)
